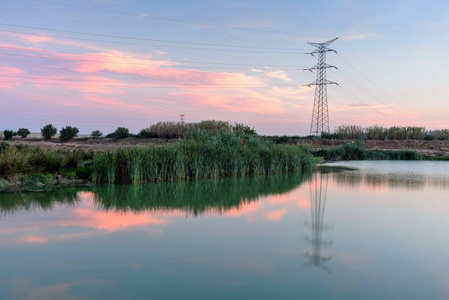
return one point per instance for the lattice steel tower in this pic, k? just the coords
(320, 114)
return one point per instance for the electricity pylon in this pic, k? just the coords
(318, 195)
(320, 114)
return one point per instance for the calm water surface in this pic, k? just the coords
(380, 232)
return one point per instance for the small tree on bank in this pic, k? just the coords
(121, 133)
(96, 133)
(48, 131)
(68, 133)
(8, 134)
(23, 132)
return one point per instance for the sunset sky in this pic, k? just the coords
(101, 64)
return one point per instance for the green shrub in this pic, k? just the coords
(48, 131)
(68, 133)
(376, 133)
(146, 134)
(346, 132)
(242, 129)
(353, 151)
(441, 135)
(429, 137)
(96, 133)
(327, 135)
(3, 147)
(8, 134)
(121, 133)
(23, 132)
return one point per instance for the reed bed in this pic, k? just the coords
(17, 161)
(172, 130)
(347, 132)
(352, 151)
(355, 132)
(200, 155)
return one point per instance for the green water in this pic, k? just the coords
(378, 232)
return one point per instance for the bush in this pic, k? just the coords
(146, 134)
(349, 132)
(8, 134)
(23, 132)
(3, 147)
(48, 131)
(242, 129)
(327, 135)
(121, 133)
(68, 133)
(96, 133)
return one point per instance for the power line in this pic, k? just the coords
(133, 81)
(146, 39)
(146, 58)
(385, 81)
(367, 105)
(141, 28)
(155, 63)
(150, 45)
(175, 20)
(148, 85)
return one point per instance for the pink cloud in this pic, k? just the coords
(38, 38)
(113, 221)
(34, 239)
(275, 215)
(279, 74)
(10, 83)
(34, 39)
(238, 100)
(118, 62)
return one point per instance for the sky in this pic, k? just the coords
(101, 64)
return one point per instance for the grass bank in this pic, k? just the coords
(353, 151)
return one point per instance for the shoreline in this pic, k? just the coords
(428, 149)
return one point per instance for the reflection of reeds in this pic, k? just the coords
(377, 181)
(193, 197)
(15, 203)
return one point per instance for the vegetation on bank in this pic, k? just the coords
(200, 155)
(355, 132)
(375, 133)
(208, 149)
(354, 151)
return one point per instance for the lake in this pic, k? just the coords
(379, 231)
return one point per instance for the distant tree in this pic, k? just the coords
(96, 133)
(146, 133)
(68, 133)
(121, 133)
(48, 131)
(23, 132)
(8, 134)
